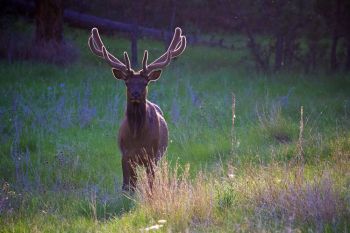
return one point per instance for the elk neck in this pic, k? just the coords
(136, 115)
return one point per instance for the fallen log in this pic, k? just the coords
(86, 21)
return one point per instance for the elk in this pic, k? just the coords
(143, 133)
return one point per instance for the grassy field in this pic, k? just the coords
(269, 171)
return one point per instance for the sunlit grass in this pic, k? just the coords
(175, 197)
(59, 153)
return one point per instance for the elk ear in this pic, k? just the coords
(118, 74)
(154, 75)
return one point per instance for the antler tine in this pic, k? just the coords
(176, 38)
(174, 43)
(97, 47)
(93, 48)
(127, 60)
(108, 58)
(176, 47)
(96, 36)
(144, 60)
(160, 64)
(180, 48)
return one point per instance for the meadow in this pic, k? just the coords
(241, 157)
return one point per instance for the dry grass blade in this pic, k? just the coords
(233, 108)
(174, 196)
(294, 199)
(301, 139)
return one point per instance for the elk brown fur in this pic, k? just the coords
(143, 134)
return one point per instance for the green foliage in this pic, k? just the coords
(58, 136)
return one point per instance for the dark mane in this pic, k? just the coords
(135, 114)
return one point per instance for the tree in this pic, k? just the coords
(48, 44)
(49, 20)
(336, 16)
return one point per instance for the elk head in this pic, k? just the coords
(137, 81)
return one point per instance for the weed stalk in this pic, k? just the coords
(300, 148)
(233, 108)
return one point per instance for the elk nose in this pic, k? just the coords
(135, 95)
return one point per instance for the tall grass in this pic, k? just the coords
(277, 197)
(61, 169)
(175, 197)
(304, 200)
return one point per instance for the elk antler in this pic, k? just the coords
(97, 47)
(176, 47)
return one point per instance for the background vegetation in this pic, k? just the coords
(241, 155)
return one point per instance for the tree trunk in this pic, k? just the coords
(255, 50)
(347, 34)
(335, 38)
(134, 34)
(279, 52)
(49, 20)
(310, 61)
(347, 64)
(333, 58)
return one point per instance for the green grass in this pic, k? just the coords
(60, 157)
